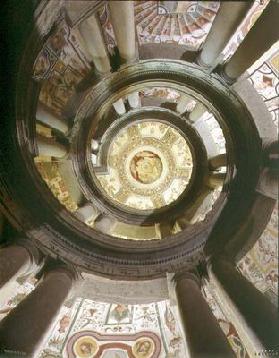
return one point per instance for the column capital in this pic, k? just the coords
(220, 70)
(268, 180)
(218, 161)
(187, 275)
(270, 153)
(36, 256)
(220, 258)
(52, 265)
(270, 144)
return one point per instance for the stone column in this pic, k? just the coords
(123, 21)
(51, 120)
(15, 261)
(163, 230)
(204, 131)
(119, 106)
(134, 100)
(268, 183)
(2, 219)
(215, 179)
(23, 329)
(90, 30)
(218, 161)
(197, 112)
(204, 336)
(49, 147)
(271, 153)
(87, 213)
(254, 317)
(95, 145)
(184, 103)
(105, 224)
(259, 39)
(229, 16)
(268, 179)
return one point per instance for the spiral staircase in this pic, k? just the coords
(133, 152)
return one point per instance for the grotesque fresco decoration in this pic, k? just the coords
(182, 22)
(58, 88)
(85, 328)
(91, 344)
(97, 329)
(141, 170)
(51, 174)
(85, 346)
(265, 78)
(225, 324)
(253, 14)
(62, 50)
(60, 66)
(119, 313)
(24, 285)
(109, 37)
(162, 92)
(260, 264)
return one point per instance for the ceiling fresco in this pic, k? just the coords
(225, 324)
(264, 76)
(181, 22)
(215, 131)
(62, 53)
(107, 28)
(62, 63)
(253, 14)
(85, 328)
(50, 173)
(23, 286)
(260, 264)
(149, 165)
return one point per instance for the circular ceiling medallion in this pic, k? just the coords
(85, 347)
(148, 166)
(143, 348)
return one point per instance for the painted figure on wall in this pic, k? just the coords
(143, 348)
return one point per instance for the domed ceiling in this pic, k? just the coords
(149, 166)
(149, 151)
(181, 22)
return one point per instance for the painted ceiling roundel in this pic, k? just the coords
(90, 344)
(149, 165)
